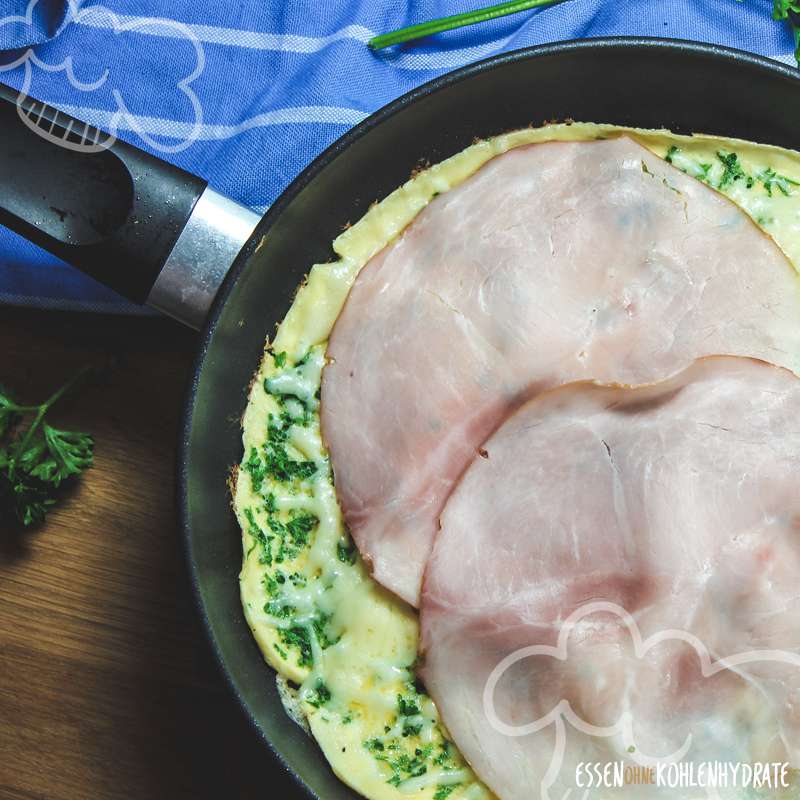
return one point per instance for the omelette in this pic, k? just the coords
(344, 647)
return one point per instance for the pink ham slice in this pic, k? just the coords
(677, 503)
(554, 262)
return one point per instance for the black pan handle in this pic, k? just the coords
(153, 232)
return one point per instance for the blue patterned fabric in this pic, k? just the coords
(246, 93)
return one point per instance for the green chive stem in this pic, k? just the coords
(455, 21)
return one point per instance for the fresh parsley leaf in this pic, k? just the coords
(37, 459)
(66, 454)
(789, 10)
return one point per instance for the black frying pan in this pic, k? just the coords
(642, 82)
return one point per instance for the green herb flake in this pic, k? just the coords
(444, 754)
(297, 637)
(407, 706)
(346, 553)
(279, 359)
(254, 467)
(279, 609)
(298, 581)
(319, 695)
(731, 170)
(260, 537)
(280, 651)
(299, 527)
(277, 463)
(771, 179)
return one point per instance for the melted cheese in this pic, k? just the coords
(346, 645)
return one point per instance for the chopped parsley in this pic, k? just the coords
(298, 580)
(293, 535)
(407, 706)
(444, 755)
(288, 388)
(444, 790)
(279, 359)
(319, 695)
(280, 651)
(404, 765)
(408, 709)
(346, 553)
(273, 583)
(406, 759)
(254, 467)
(732, 170)
(300, 526)
(769, 178)
(407, 766)
(260, 538)
(279, 609)
(299, 637)
(277, 463)
(411, 729)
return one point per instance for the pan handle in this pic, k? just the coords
(153, 232)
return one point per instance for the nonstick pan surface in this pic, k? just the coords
(642, 82)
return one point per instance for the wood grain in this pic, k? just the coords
(107, 686)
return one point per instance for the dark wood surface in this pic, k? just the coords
(108, 688)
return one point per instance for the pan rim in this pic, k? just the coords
(306, 176)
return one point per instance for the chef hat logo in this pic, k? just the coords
(44, 120)
(563, 713)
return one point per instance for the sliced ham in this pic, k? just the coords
(677, 503)
(554, 262)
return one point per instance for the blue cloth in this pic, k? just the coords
(246, 93)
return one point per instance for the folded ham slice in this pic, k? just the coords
(600, 513)
(554, 262)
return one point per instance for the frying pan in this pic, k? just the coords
(157, 234)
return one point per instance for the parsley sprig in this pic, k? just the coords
(36, 461)
(789, 10)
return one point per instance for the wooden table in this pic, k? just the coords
(108, 688)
